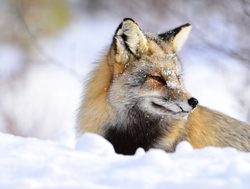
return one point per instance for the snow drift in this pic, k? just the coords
(93, 164)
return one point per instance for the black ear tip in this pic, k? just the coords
(186, 25)
(120, 25)
(125, 19)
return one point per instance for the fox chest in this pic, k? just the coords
(127, 141)
(141, 132)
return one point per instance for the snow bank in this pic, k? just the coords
(33, 163)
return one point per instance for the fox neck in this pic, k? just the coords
(138, 130)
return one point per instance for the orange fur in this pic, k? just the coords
(95, 99)
(206, 127)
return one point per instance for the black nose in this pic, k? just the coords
(193, 102)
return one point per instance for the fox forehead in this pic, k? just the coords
(161, 61)
(162, 65)
(160, 56)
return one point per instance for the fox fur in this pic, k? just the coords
(135, 97)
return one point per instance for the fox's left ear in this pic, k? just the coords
(129, 41)
(177, 36)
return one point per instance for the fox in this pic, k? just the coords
(135, 97)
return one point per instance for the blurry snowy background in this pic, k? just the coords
(47, 48)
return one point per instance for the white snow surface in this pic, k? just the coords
(93, 164)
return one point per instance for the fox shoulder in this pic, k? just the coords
(206, 127)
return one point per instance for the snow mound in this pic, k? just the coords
(95, 144)
(92, 163)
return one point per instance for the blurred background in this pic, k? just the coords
(48, 47)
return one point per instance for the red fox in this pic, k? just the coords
(136, 98)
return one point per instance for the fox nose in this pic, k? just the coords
(193, 102)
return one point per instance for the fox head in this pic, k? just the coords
(147, 72)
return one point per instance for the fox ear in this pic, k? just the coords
(177, 36)
(129, 40)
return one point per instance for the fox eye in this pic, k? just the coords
(158, 78)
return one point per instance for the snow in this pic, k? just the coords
(171, 84)
(169, 73)
(92, 163)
